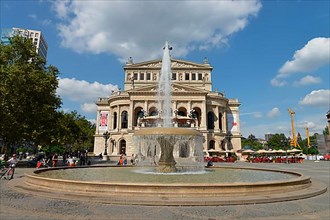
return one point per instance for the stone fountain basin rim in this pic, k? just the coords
(166, 131)
(299, 179)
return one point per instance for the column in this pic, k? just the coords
(131, 115)
(216, 112)
(204, 114)
(118, 118)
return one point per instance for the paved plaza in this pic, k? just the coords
(17, 205)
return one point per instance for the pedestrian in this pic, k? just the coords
(121, 161)
(133, 159)
(82, 159)
(124, 160)
(54, 160)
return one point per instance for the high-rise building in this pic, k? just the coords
(36, 37)
(268, 136)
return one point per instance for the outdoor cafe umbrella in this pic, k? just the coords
(294, 150)
(262, 151)
(280, 151)
(248, 151)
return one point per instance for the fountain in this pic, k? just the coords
(178, 176)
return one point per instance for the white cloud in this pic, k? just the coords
(84, 92)
(61, 8)
(88, 107)
(308, 124)
(258, 115)
(129, 28)
(307, 80)
(278, 82)
(273, 113)
(312, 56)
(317, 98)
(254, 114)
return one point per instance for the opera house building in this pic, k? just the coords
(194, 106)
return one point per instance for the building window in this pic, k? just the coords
(200, 76)
(193, 76)
(173, 76)
(114, 120)
(135, 76)
(220, 121)
(141, 76)
(148, 76)
(210, 120)
(187, 76)
(124, 119)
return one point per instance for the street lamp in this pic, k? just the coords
(106, 136)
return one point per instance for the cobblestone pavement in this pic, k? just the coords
(16, 205)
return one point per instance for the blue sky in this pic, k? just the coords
(271, 55)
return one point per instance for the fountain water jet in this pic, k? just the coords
(164, 96)
(157, 145)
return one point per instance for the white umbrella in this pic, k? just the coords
(248, 151)
(294, 150)
(262, 151)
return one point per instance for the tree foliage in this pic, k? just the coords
(278, 141)
(73, 131)
(251, 141)
(29, 106)
(28, 100)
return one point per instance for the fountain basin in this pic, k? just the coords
(132, 192)
(167, 138)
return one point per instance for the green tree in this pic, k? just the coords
(28, 100)
(251, 141)
(326, 131)
(277, 141)
(73, 132)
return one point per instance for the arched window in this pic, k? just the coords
(220, 121)
(122, 147)
(153, 111)
(182, 111)
(212, 145)
(210, 120)
(124, 119)
(138, 113)
(114, 120)
(197, 114)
